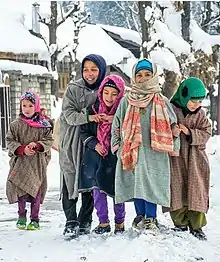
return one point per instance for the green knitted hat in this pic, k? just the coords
(191, 88)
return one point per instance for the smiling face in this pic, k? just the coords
(143, 75)
(109, 95)
(90, 72)
(192, 105)
(27, 108)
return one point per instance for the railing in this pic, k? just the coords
(5, 113)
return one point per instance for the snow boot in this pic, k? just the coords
(150, 223)
(71, 230)
(33, 225)
(180, 228)
(85, 228)
(138, 222)
(21, 223)
(119, 228)
(102, 228)
(198, 233)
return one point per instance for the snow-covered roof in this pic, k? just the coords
(26, 69)
(16, 38)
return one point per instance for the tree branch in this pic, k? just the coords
(212, 21)
(43, 20)
(41, 37)
(69, 13)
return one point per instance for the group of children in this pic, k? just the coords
(136, 146)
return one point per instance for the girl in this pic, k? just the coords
(29, 141)
(143, 121)
(190, 172)
(98, 166)
(78, 97)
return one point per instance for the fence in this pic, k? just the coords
(5, 112)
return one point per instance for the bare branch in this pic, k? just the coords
(43, 20)
(120, 6)
(69, 13)
(212, 21)
(61, 11)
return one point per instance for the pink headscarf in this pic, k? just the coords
(104, 129)
(36, 120)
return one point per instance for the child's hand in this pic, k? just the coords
(176, 130)
(184, 129)
(99, 149)
(32, 145)
(28, 151)
(96, 118)
(108, 119)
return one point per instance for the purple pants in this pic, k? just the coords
(101, 205)
(35, 206)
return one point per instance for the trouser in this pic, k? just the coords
(35, 206)
(145, 208)
(185, 217)
(101, 206)
(69, 208)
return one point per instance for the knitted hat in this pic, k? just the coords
(144, 64)
(191, 88)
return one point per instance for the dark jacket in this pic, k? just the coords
(96, 171)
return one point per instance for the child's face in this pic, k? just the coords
(90, 72)
(192, 105)
(27, 108)
(109, 95)
(143, 75)
(43, 112)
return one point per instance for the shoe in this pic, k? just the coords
(71, 229)
(102, 228)
(138, 222)
(21, 223)
(119, 228)
(85, 228)
(198, 233)
(180, 228)
(33, 225)
(151, 223)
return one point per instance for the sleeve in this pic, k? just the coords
(116, 132)
(46, 142)
(69, 108)
(201, 134)
(87, 137)
(11, 139)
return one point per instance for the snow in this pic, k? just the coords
(16, 37)
(125, 33)
(201, 40)
(48, 245)
(25, 68)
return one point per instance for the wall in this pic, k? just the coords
(41, 84)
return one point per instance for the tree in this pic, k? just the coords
(53, 21)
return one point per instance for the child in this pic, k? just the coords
(29, 141)
(143, 121)
(98, 165)
(190, 172)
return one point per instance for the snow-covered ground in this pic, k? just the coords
(48, 244)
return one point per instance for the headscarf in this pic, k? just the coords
(101, 64)
(191, 88)
(36, 120)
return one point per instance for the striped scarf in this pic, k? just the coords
(161, 135)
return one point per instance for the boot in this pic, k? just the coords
(180, 228)
(21, 223)
(119, 228)
(85, 228)
(71, 229)
(33, 225)
(150, 223)
(102, 228)
(138, 222)
(198, 233)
